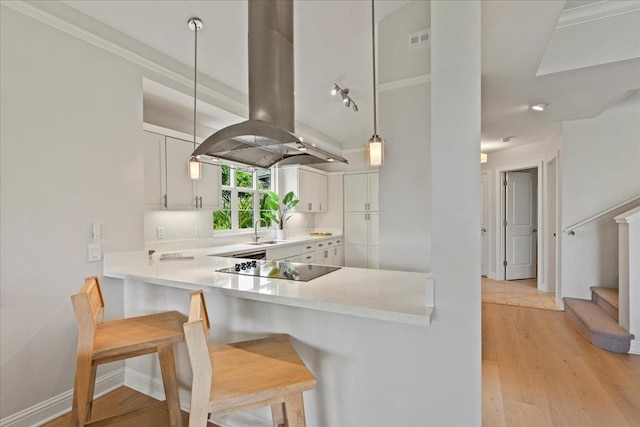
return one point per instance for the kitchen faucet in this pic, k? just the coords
(255, 228)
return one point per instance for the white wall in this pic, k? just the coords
(454, 399)
(70, 156)
(600, 169)
(404, 117)
(522, 157)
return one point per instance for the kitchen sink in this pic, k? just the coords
(266, 242)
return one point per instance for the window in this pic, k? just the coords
(243, 194)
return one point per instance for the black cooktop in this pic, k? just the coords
(279, 270)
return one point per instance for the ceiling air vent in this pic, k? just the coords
(420, 39)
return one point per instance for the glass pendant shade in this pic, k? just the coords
(375, 151)
(195, 169)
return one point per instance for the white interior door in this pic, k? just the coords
(484, 239)
(520, 241)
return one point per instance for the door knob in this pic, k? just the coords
(535, 230)
(484, 230)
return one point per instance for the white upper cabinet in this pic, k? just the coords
(179, 186)
(309, 186)
(167, 185)
(361, 192)
(154, 176)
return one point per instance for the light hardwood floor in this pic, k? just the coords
(538, 370)
(522, 293)
(124, 399)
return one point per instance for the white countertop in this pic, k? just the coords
(377, 294)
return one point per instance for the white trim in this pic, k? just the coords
(594, 11)
(170, 133)
(629, 217)
(635, 347)
(61, 404)
(411, 81)
(355, 150)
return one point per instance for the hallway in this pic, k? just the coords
(521, 293)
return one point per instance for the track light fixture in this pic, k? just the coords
(346, 99)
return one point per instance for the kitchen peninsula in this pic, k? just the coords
(358, 330)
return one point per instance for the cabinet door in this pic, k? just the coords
(373, 192)
(374, 226)
(179, 185)
(306, 187)
(356, 256)
(209, 187)
(356, 228)
(322, 184)
(374, 257)
(322, 257)
(338, 257)
(355, 192)
(154, 176)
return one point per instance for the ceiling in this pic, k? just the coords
(333, 44)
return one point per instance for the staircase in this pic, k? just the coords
(598, 319)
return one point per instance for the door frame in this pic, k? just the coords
(486, 207)
(555, 156)
(500, 217)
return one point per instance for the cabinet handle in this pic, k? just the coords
(330, 243)
(308, 247)
(320, 244)
(320, 208)
(196, 202)
(200, 202)
(309, 257)
(310, 208)
(335, 251)
(165, 200)
(326, 254)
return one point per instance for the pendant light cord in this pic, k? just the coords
(373, 44)
(195, 85)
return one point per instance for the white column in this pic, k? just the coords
(629, 274)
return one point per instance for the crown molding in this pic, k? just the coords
(595, 11)
(411, 81)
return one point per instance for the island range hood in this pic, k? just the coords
(268, 136)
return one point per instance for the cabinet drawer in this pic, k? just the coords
(285, 252)
(323, 244)
(308, 258)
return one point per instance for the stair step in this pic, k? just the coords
(597, 325)
(607, 299)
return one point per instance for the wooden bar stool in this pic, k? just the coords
(242, 376)
(102, 342)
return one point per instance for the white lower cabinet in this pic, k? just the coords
(323, 252)
(361, 240)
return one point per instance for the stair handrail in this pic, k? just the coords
(570, 230)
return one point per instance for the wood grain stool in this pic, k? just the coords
(245, 375)
(103, 342)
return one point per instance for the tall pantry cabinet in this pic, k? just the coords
(361, 238)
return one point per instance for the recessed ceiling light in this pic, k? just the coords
(330, 159)
(539, 107)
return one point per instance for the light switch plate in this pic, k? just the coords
(160, 232)
(97, 231)
(94, 252)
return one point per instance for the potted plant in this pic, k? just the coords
(280, 207)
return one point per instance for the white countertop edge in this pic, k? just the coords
(369, 313)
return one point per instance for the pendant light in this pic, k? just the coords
(375, 146)
(195, 167)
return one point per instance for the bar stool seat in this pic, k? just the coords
(241, 376)
(103, 342)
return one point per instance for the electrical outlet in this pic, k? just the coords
(160, 232)
(94, 252)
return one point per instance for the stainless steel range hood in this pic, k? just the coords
(268, 136)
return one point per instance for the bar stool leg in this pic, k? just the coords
(92, 387)
(294, 410)
(81, 390)
(170, 382)
(277, 414)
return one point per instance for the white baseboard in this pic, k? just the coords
(635, 347)
(61, 404)
(153, 387)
